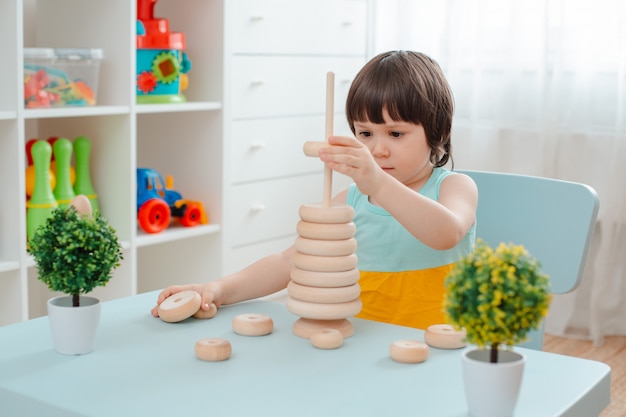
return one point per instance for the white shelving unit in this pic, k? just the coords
(198, 142)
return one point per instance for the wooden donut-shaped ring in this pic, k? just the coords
(327, 339)
(324, 311)
(253, 324)
(444, 336)
(408, 351)
(213, 349)
(324, 263)
(325, 247)
(179, 306)
(329, 295)
(305, 328)
(209, 314)
(321, 214)
(322, 231)
(82, 205)
(325, 279)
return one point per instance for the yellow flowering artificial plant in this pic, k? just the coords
(498, 296)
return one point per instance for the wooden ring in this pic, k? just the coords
(213, 349)
(325, 247)
(324, 263)
(322, 231)
(179, 306)
(324, 311)
(316, 213)
(209, 314)
(305, 328)
(253, 324)
(327, 339)
(328, 295)
(408, 351)
(444, 336)
(312, 148)
(325, 279)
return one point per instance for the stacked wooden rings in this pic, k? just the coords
(324, 278)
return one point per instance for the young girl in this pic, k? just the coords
(413, 217)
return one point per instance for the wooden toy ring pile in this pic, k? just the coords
(182, 305)
(324, 288)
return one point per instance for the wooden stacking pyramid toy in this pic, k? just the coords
(324, 289)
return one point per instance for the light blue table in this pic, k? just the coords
(145, 367)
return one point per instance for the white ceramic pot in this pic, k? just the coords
(491, 389)
(74, 328)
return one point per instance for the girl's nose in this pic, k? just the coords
(379, 149)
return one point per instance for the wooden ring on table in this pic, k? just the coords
(213, 349)
(325, 279)
(209, 314)
(324, 311)
(408, 351)
(305, 328)
(444, 336)
(324, 263)
(318, 247)
(325, 295)
(322, 231)
(253, 324)
(317, 213)
(179, 306)
(327, 339)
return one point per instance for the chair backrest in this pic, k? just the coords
(553, 219)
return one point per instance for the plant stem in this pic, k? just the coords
(75, 300)
(493, 357)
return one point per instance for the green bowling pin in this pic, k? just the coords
(82, 185)
(63, 191)
(42, 202)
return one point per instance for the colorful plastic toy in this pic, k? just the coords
(157, 203)
(161, 63)
(42, 202)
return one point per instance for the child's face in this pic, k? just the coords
(399, 148)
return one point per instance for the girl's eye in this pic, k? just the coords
(365, 134)
(396, 134)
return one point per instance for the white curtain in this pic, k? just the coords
(540, 89)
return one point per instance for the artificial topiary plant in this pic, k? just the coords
(498, 296)
(75, 253)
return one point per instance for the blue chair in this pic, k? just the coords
(553, 219)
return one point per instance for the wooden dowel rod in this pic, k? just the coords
(330, 100)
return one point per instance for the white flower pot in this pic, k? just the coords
(491, 389)
(74, 328)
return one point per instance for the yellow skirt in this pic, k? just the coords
(407, 298)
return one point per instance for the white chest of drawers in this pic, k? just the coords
(276, 64)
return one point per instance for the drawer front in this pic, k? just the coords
(295, 27)
(288, 86)
(262, 149)
(269, 209)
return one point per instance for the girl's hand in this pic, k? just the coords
(350, 157)
(210, 293)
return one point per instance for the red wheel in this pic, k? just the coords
(192, 216)
(154, 216)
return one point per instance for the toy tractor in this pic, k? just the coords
(157, 203)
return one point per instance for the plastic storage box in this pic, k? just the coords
(61, 77)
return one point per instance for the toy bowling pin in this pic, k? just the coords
(63, 191)
(82, 149)
(42, 202)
